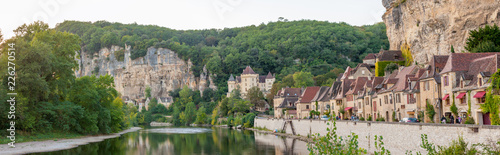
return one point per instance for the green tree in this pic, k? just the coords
(147, 91)
(189, 115)
(452, 49)
(303, 79)
(429, 111)
(453, 107)
(391, 67)
(484, 39)
(201, 116)
(255, 96)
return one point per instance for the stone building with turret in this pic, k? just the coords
(249, 79)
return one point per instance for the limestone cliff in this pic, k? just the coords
(432, 26)
(161, 69)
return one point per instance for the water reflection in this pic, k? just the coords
(188, 141)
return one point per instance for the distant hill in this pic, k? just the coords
(281, 47)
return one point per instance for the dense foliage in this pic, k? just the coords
(282, 47)
(492, 104)
(50, 98)
(485, 39)
(380, 66)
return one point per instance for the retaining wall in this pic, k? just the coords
(397, 137)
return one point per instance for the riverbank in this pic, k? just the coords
(299, 137)
(62, 144)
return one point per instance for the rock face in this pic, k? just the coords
(432, 26)
(161, 69)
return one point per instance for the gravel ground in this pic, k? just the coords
(60, 144)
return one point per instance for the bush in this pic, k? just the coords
(362, 119)
(230, 121)
(369, 118)
(380, 66)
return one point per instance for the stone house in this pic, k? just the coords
(430, 86)
(465, 77)
(353, 104)
(304, 103)
(285, 102)
(323, 100)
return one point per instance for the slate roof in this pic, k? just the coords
(344, 88)
(248, 70)
(485, 65)
(309, 94)
(334, 89)
(287, 101)
(262, 79)
(390, 55)
(231, 78)
(269, 76)
(289, 92)
(322, 94)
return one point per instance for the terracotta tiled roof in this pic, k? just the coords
(369, 56)
(390, 55)
(461, 61)
(248, 70)
(402, 76)
(309, 94)
(358, 85)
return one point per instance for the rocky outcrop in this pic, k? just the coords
(430, 27)
(161, 69)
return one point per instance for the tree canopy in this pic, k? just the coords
(485, 39)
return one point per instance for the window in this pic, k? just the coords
(363, 72)
(481, 100)
(380, 102)
(390, 98)
(480, 81)
(461, 84)
(307, 106)
(426, 85)
(386, 99)
(359, 104)
(445, 80)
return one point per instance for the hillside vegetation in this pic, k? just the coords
(281, 47)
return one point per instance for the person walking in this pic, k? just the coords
(443, 120)
(452, 119)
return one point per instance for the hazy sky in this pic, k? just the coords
(187, 14)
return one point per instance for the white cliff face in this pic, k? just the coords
(161, 69)
(432, 26)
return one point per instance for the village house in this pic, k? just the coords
(249, 79)
(465, 77)
(430, 86)
(285, 102)
(304, 104)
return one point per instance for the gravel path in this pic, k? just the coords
(60, 144)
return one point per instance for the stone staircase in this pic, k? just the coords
(291, 126)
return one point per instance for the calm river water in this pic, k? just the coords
(191, 141)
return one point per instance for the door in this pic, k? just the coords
(486, 119)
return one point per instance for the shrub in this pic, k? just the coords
(369, 118)
(362, 119)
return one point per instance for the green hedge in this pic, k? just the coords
(380, 66)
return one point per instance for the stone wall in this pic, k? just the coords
(398, 137)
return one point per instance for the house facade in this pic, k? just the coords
(249, 79)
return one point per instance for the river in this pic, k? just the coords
(191, 141)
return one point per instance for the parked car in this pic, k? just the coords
(324, 118)
(409, 120)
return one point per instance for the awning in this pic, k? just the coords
(480, 94)
(410, 112)
(463, 111)
(461, 95)
(446, 97)
(347, 108)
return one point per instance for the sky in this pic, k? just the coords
(188, 14)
